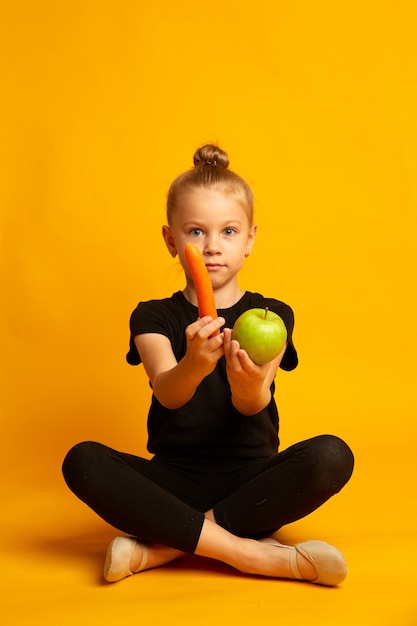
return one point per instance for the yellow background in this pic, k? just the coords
(103, 104)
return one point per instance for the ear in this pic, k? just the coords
(251, 239)
(169, 240)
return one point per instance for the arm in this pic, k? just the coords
(174, 383)
(250, 383)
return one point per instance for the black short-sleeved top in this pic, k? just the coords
(208, 425)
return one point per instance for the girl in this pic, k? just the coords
(216, 485)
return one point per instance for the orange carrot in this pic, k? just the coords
(202, 282)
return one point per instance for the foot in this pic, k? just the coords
(328, 561)
(127, 556)
(314, 561)
(121, 558)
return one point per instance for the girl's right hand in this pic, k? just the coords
(203, 348)
(174, 383)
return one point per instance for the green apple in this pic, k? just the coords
(261, 333)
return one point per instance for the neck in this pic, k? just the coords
(224, 298)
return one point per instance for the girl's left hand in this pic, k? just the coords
(250, 383)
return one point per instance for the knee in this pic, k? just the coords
(336, 459)
(78, 463)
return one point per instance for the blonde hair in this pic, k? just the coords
(210, 171)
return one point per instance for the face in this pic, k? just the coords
(219, 226)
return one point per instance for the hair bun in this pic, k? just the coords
(211, 155)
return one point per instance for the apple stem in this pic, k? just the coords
(266, 312)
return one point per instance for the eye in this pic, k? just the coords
(229, 231)
(196, 232)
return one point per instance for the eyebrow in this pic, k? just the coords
(225, 223)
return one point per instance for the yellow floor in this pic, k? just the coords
(52, 557)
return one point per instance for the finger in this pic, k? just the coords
(210, 326)
(234, 348)
(192, 329)
(249, 366)
(245, 361)
(227, 338)
(233, 355)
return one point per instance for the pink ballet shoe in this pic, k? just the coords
(328, 561)
(119, 555)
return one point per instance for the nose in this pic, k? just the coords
(212, 245)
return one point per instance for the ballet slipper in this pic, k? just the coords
(119, 556)
(328, 561)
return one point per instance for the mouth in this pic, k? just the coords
(213, 267)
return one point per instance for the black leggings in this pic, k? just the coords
(163, 500)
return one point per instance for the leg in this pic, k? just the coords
(317, 469)
(123, 490)
(156, 554)
(289, 486)
(116, 486)
(247, 555)
(312, 561)
(292, 484)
